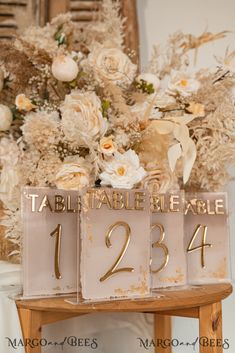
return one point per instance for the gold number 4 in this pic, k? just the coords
(159, 244)
(57, 232)
(203, 243)
(113, 270)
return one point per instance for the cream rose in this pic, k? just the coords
(64, 68)
(24, 103)
(112, 64)
(1, 79)
(82, 119)
(124, 171)
(183, 84)
(107, 146)
(5, 118)
(73, 176)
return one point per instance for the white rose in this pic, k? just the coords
(183, 84)
(82, 119)
(64, 68)
(23, 103)
(5, 118)
(1, 79)
(73, 176)
(112, 64)
(123, 171)
(150, 79)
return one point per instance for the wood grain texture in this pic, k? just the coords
(162, 332)
(31, 325)
(203, 301)
(163, 301)
(85, 11)
(210, 328)
(129, 11)
(16, 15)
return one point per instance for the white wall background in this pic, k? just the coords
(158, 19)
(118, 333)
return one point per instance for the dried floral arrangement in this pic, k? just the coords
(75, 112)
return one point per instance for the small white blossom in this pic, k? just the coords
(123, 171)
(183, 84)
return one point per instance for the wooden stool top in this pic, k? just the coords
(160, 301)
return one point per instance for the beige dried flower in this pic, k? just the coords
(197, 109)
(41, 130)
(159, 180)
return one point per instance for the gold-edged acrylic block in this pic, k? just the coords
(207, 237)
(115, 245)
(50, 218)
(168, 265)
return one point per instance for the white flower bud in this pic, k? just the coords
(150, 79)
(5, 118)
(64, 68)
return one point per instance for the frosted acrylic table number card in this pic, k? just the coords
(50, 218)
(115, 246)
(207, 238)
(168, 266)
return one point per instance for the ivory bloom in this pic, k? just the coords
(107, 146)
(112, 64)
(23, 103)
(183, 84)
(124, 171)
(5, 118)
(64, 68)
(82, 119)
(73, 176)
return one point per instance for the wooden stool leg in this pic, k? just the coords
(31, 324)
(162, 331)
(210, 328)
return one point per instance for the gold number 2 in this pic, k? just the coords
(114, 269)
(159, 244)
(203, 243)
(57, 232)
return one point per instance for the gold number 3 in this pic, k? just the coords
(159, 244)
(57, 232)
(113, 270)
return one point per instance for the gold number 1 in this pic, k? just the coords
(57, 232)
(113, 268)
(203, 243)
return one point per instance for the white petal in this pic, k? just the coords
(174, 153)
(189, 158)
(184, 119)
(181, 133)
(163, 127)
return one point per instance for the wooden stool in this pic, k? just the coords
(202, 302)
